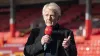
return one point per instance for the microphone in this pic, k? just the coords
(48, 31)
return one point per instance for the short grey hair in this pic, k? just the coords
(52, 6)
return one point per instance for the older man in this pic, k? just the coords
(59, 43)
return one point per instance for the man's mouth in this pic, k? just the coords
(49, 22)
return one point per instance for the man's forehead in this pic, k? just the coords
(49, 11)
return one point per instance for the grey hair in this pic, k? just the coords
(52, 6)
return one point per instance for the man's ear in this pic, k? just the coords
(59, 17)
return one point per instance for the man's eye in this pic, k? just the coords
(52, 16)
(46, 14)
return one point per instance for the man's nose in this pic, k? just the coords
(49, 18)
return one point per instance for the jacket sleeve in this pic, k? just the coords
(71, 50)
(33, 46)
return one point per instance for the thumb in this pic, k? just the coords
(69, 37)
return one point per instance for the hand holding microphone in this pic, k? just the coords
(45, 39)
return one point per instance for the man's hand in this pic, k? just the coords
(45, 39)
(66, 42)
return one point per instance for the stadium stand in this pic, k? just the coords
(73, 15)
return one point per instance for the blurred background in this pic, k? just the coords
(18, 17)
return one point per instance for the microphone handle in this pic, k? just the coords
(45, 46)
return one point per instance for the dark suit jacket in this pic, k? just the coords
(33, 47)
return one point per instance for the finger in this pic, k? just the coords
(69, 37)
(46, 35)
(65, 44)
(46, 40)
(64, 41)
(68, 40)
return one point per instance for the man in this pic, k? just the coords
(59, 43)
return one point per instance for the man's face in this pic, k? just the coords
(50, 17)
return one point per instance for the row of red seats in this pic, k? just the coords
(89, 47)
(6, 38)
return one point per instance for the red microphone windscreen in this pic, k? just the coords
(48, 30)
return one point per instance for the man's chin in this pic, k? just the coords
(49, 24)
